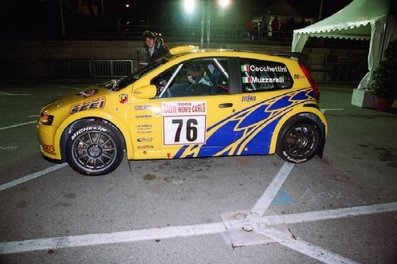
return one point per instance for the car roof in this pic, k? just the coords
(190, 50)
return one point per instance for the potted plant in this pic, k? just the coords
(383, 84)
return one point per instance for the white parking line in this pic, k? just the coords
(18, 125)
(12, 94)
(333, 109)
(263, 225)
(306, 248)
(8, 148)
(111, 238)
(61, 86)
(192, 230)
(323, 110)
(329, 214)
(31, 176)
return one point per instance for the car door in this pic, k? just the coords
(188, 123)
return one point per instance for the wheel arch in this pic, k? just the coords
(310, 113)
(67, 127)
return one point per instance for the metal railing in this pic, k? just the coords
(346, 72)
(73, 68)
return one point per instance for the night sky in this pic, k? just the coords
(21, 16)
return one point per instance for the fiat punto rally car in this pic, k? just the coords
(190, 103)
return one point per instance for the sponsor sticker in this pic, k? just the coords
(298, 76)
(143, 116)
(146, 147)
(142, 139)
(123, 98)
(266, 68)
(87, 105)
(142, 107)
(248, 98)
(144, 129)
(255, 79)
(49, 149)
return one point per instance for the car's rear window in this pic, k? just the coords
(260, 75)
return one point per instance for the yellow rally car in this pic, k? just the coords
(190, 103)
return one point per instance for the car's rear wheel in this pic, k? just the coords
(299, 140)
(94, 148)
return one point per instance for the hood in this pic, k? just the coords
(92, 98)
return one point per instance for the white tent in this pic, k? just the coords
(361, 20)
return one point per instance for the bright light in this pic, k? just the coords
(127, 5)
(224, 3)
(189, 6)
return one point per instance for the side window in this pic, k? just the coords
(194, 78)
(258, 75)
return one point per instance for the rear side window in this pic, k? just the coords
(259, 75)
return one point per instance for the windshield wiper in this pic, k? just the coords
(112, 85)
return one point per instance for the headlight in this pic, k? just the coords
(46, 119)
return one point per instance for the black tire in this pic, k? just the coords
(299, 140)
(94, 148)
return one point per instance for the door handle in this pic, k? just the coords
(225, 105)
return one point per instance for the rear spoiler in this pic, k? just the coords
(299, 56)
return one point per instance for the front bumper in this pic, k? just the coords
(48, 147)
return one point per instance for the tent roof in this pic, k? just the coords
(351, 22)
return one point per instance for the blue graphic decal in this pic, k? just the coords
(248, 132)
(260, 144)
(211, 151)
(223, 137)
(300, 96)
(254, 117)
(280, 103)
(312, 94)
(180, 152)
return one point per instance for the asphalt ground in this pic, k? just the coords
(339, 209)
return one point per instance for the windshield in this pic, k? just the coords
(125, 81)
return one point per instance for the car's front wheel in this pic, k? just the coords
(299, 140)
(94, 148)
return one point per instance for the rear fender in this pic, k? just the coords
(309, 112)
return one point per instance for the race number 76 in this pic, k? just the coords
(184, 130)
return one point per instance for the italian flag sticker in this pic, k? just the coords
(245, 68)
(247, 80)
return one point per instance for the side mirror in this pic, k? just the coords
(145, 92)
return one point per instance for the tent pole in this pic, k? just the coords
(383, 39)
(320, 12)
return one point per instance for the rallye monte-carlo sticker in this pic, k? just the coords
(184, 122)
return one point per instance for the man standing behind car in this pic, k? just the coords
(154, 45)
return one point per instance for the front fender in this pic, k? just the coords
(63, 130)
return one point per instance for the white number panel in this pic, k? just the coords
(184, 130)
